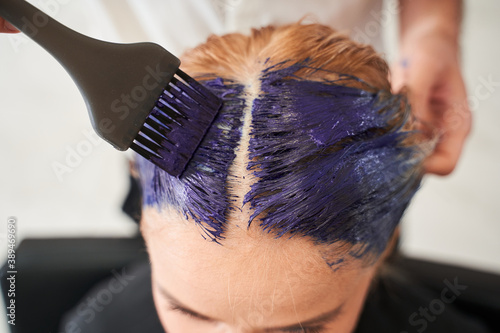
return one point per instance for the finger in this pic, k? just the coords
(446, 154)
(397, 75)
(455, 127)
(6, 27)
(409, 74)
(441, 163)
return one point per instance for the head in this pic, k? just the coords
(288, 207)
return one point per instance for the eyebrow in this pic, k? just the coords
(319, 320)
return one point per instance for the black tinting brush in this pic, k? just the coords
(136, 95)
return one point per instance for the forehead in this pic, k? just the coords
(250, 270)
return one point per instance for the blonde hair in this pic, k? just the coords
(235, 56)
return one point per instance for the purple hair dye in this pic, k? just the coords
(328, 158)
(201, 192)
(329, 161)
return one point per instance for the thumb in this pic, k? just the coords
(417, 77)
(7, 27)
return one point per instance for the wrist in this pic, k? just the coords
(431, 29)
(434, 41)
(423, 20)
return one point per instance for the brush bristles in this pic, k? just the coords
(177, 124)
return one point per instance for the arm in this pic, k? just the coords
(429, 66)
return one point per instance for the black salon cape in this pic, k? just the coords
(392, 306)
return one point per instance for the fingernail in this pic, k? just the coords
(9, 26)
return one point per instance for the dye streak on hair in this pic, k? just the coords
(329, 162)
(201, 192)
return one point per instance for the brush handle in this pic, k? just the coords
(107, 74)
(47, 32)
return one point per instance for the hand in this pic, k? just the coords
(428, 66)
(7, 27)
